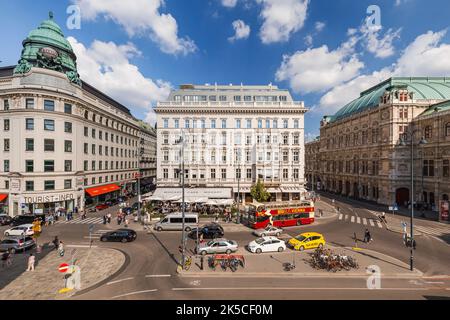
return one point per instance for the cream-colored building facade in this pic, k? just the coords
(359, 152)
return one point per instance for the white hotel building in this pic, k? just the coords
(234, 135)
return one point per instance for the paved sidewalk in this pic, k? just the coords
(271, 265)
(97, 264)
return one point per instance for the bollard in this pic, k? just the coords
(201, 262)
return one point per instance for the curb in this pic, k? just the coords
(221, 274)
(416, 233)
(115, 274)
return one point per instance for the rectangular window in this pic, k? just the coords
(67, 146)
(49, 185)
(296, 124)
(6, 104)
(6, 165)
(29, 144)
(100, 135)
(285, 123)
(29, 124)
(224, 173)
(212, 98)
(93, 133)
(238, 123)
(165, 173)
(86, 148)
(67, 108)
(186, 124)
(247, 98)
(249, 123)
(86, 131)
(249, 173)
(29, 166)
(86, 165)
(68, 127)
(106, 136)
(67, 165)
(93, 165)
(100, 150)
(49, 125)
(68, 184)
(93, 149)
(29, 103)
(267, 123)
(224, 123)
(275, 124)
(49, 145)
(49, 105)
(222, 98)
(446, 168)
(285, 173)
(5, 144)
(93, 180)
(177, 123)
(166, 123)
(213, 123)
(6, 124)
(49, 166)
(29, 185)
(259, 123)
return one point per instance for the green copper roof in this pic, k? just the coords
(46, 47)
(440, 107)
(49, 33)
(424, 88)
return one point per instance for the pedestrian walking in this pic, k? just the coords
(216, 219)
(356, 240)
(126, 223)
(56, 242)
(61, 249)
(6, 258)
(367, 236)
(104, 219)
(31, 261)
(109, 217)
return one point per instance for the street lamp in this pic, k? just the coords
(403, 143)
(238, 217)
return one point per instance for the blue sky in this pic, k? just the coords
(323, 51)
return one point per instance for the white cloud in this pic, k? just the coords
(380, 46)
(138, 18)
(241, 30)
(281, 18)
(319, 69)
(400, 2)
(425, 56)
(319, 26)
(309, 40)
(106, 66)
(229, 3)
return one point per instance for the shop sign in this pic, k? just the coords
(49, 198)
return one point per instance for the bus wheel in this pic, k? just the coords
(299, 223)
(302, 248)
(320, 246)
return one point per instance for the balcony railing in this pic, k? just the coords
(298, 104)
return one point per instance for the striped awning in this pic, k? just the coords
(96, 191)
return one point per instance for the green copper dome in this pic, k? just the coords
(46, 47)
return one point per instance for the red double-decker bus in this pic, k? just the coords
(285, 214)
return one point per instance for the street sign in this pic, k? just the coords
(391, 208)
(395, 208)
(63, 267)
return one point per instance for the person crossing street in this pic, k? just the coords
(367, 236)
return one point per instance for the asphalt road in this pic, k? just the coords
(151, 272)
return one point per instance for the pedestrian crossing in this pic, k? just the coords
(437, 231)
(93, 220)
(358, 220)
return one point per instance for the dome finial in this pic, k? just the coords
(50, 15)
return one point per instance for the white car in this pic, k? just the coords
(24, 229)
(267, 244)
(268, 231)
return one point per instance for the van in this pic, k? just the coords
(174, 222)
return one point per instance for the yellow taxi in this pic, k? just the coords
(309, 240)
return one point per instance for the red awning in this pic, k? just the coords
(96, 191)
(3, 196)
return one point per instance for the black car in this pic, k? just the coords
(5, 220)
(127, 210)
(111, 202)
(119, 235)
(134, 207)
(26, 219)
(209, 231)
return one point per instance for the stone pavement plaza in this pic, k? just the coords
(97, 264)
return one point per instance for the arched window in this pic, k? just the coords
(428, 132)
(447, 130)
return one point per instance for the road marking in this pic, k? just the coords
(117, 281)
(296, 288)
(379, 224)
(132, 293)
(353, 219)
(158, 275)
(80, 246)
(91, 237)
(340, 216)
(358, 220)
(432, 282)
(365, 221)
(371, 223)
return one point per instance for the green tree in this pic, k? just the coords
(259, 192)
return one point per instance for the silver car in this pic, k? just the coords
(219, 245)
(16, 244)
(268, 231)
